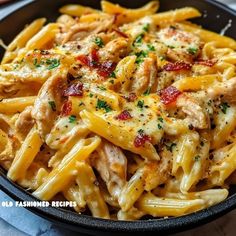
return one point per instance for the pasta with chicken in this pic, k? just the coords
(126, 112)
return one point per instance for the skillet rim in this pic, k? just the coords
(91, 224)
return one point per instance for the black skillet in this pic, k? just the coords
(216, 17)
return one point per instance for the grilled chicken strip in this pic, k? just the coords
(48, 103)
(111, 164)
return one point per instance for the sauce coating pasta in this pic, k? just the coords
(126, 112)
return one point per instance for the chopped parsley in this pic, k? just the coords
(138, 39)
(151, 47)
(140, 56)
(90, 95)
(103, 105)
(36, 64)
(160, 119)
(52, 104)
(171, 146)
(192, 51)
(171, 47)
(102, 88)
(52, 63)
(147, 92)
(140, 131)
(72, 119)
(111, 81)
(196, 158)
(113, 74)
(224, 106)
(159, 126)
(99, 42)
(140, 104)
(146, 27)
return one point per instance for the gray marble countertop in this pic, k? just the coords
(21, 222)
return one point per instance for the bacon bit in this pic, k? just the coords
(84, 60)
(141, 139)
(74, 90)
(179, 65)
(66, 108)
(131, 97)
(91, 60)
(106, 68)
(124, 115)
(169, 95)
(122, 34)
(203, 62)
(94, 56)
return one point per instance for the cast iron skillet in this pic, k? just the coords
(216, 17)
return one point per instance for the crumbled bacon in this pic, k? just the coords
(124, 115)
(169, 95)
(141, 139)
(66, 108)
(90, 60)
(179, 65)
(203, 62)
(131, 97)
(104, 69)
(74, 90)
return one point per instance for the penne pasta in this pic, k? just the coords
(175, 15)
(125, 112)
(67, 169)
(14, 105)
(25, 155)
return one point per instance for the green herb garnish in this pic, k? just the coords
(224, 106)
(52, 104)
(140, 104)
(151, 47)
(99, 42)
(147, 92)
(160, 119)
(102, 88)
(192, 51)
(146, 27)
(196, 158)
(103, 105)
(72, 119)
(52, 63)
(113, 74)
(159, 126)
(140, 56)
(36, 64)
(139, 39)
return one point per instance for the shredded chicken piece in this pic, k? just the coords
(82, 30)
(145, 77)
(195, 113)
(111, 164)
(24, 122)
(182, 45)
(158, 172)
(115, 50)
(48, 103)
(224, 89)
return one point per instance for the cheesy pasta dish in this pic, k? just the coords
(127, 112)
